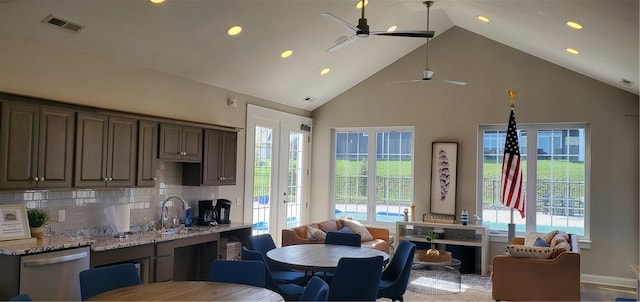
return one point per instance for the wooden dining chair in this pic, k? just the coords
(395, 278)
(356, 279)
(282, 274)
(101, 279)
(290, 291)
(249, 272)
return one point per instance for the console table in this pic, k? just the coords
(454, 234)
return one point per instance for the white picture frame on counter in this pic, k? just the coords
(14, 223)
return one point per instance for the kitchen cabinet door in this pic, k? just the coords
(219, 162)
(105, 150)
(37, 144)
(147, 153)
(180, 143)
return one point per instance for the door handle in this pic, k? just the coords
(60, 259)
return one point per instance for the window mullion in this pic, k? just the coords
(532, 176)
(371, 175)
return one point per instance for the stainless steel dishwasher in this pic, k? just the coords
(53, 275)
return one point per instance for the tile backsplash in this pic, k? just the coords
(84, 208)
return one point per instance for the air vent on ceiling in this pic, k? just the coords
(626, 82)
(62, 23)
(309, 99)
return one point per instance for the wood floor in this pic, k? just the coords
(599, 292)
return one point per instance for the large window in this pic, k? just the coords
(373, 173)
(555, 165)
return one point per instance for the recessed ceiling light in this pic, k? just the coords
(287, 53)
(156, 1)
(392, 28)
(572, 51)
(483, 19)
(359, 5)
(234, 30)
(574, 25)
(325, 71)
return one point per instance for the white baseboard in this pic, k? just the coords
(608, 280)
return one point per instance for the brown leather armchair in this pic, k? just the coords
(530, 279)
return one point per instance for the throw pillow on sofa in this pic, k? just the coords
(530, 239)
(315, 233)
(525, 251)
(358, 228)
(541, 243)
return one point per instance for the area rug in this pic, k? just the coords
(472, 288)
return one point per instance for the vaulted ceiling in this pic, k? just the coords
(187, 38)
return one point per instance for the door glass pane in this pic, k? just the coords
(394, 189)
(262, 172)
(351, 166)
(560, 181)
(294, 179)
(494, 214)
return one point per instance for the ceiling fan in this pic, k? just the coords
(427, 74)
(362, 31)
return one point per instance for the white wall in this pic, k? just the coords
(547, 93)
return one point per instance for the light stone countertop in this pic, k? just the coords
(105, 243)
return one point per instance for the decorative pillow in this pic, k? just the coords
(524, 251)
(560, 237)
(328, 226)
(530, 239)
(540, 243)
(315, 233)
(345, 229)
(358, 228)
(560, 248)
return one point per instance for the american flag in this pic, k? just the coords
(511, 182)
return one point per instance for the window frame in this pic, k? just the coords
(531, 142)
(371, 175)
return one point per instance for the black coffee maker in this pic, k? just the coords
(221, 211)
(206, 214)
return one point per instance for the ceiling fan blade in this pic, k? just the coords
(407, 33)
(343, 22)
(343, 43)
(455, 82)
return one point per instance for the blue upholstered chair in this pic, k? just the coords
(290, 291)
(247, 272)
(356, 279)
(350, 239)
(395, 278)
(21, 297)
(282, 274)
(316, 290)
(101, 279)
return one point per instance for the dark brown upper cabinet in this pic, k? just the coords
(147, 153)
(36, 146)
(218, 163)
(180, 143)
(105, 150)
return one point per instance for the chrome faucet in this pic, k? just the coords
(163, 209)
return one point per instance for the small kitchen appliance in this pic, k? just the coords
(221, 211)
(206, 214)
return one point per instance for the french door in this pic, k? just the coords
(277, 178)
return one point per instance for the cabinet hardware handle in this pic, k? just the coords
(35, 178)
(110, 178)
(106, 179)
(155, 179)
(41, 178)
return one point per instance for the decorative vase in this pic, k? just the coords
(432, 251)
(37, 232)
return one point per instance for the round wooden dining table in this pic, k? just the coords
(189, 291)
(320, 257)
